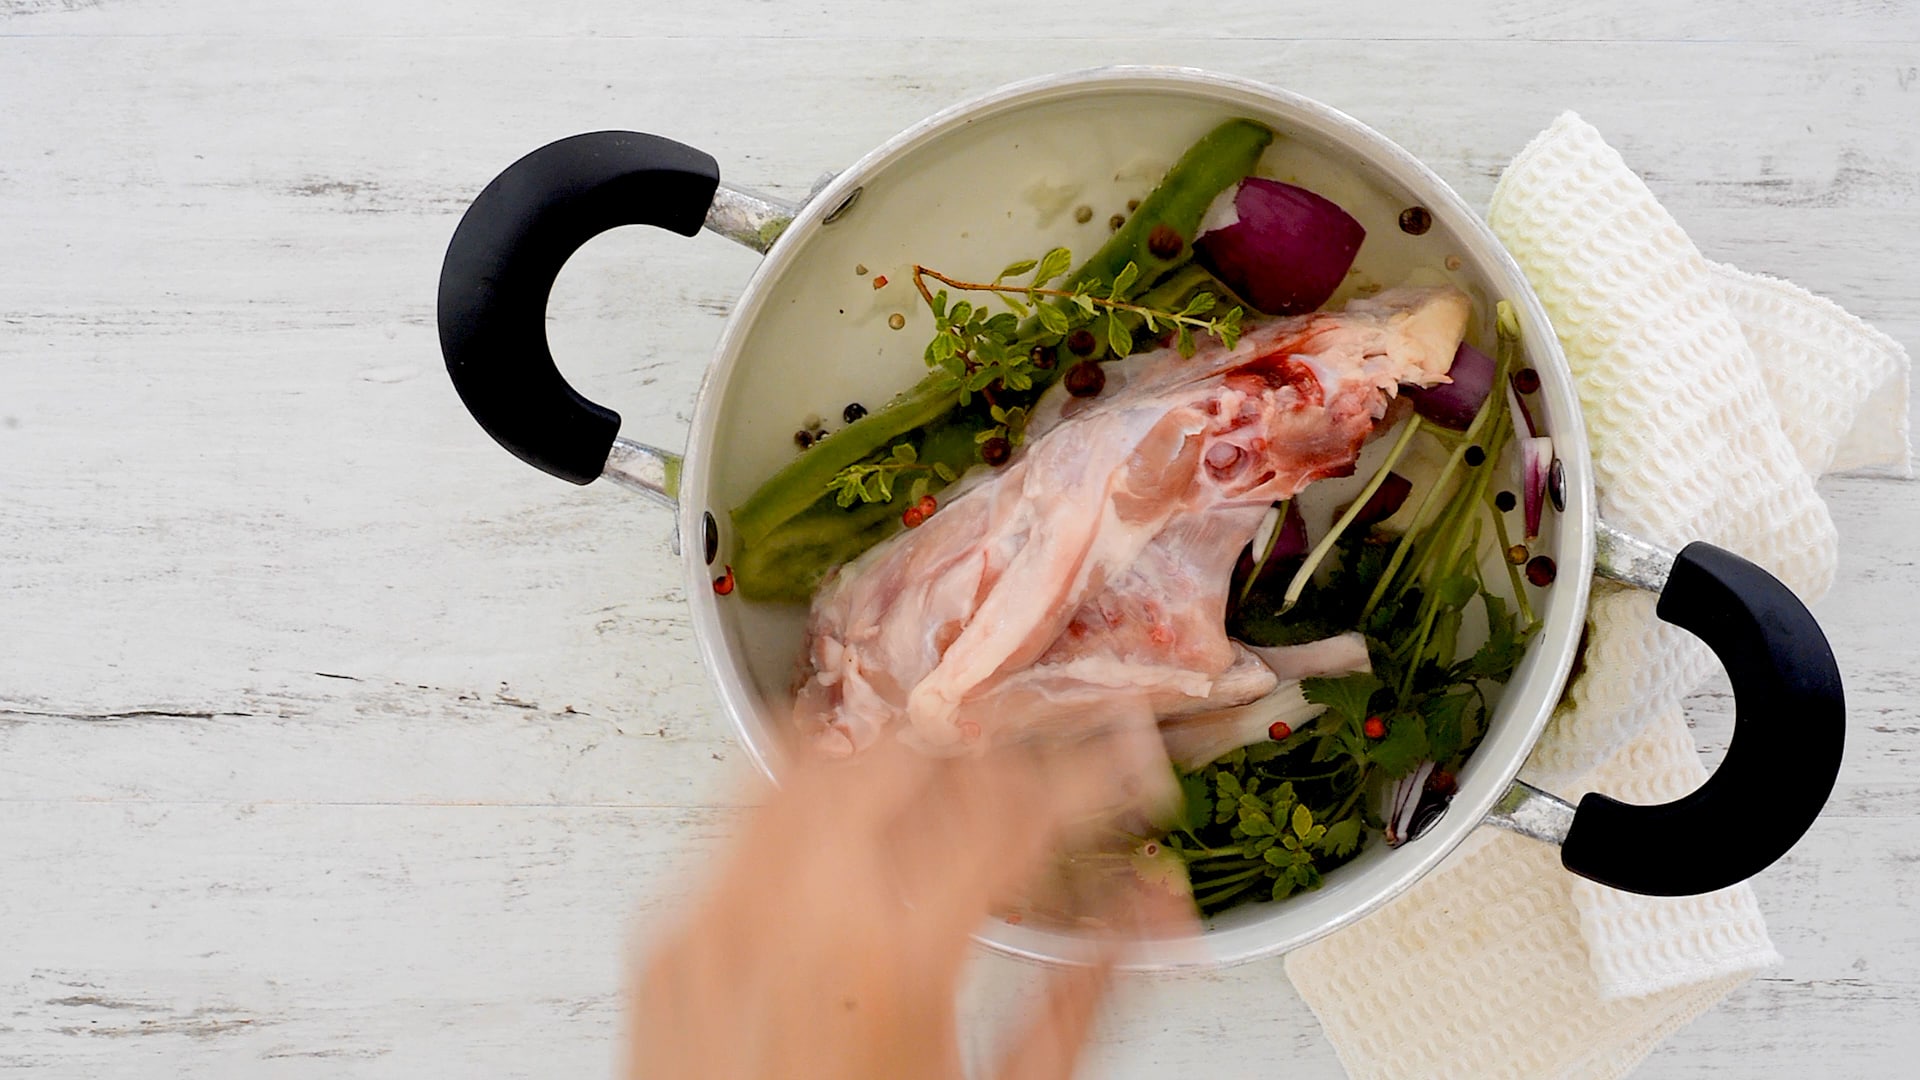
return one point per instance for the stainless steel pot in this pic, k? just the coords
(987, 181)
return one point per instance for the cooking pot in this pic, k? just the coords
(988, 181)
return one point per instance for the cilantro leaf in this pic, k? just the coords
(1504, 647)
(1345, 697)
(1404, 747)
(1342, 837)
(1445, 718)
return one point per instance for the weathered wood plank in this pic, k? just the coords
(336, 742)
(1002, 22)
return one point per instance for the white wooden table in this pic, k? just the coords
(333, 742)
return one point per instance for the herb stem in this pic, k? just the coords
(1496, 400)
(1063, 294)
(1214, 883)
(1220, 866)
(1352, 796)
(1326, 544)
(1204, 852)
(1259, 564)
(1221, 896)
(1513, 571)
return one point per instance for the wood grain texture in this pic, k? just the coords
(335, 743)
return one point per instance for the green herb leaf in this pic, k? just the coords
(905, 453)
(1404, 747)
(1123, 281)
(1119, 338)
(1504, 647)
(1346, 697)
(1199, 305)
(1196, 808)
(1342, 837)
(1227, 329)
(1015, 269)
(1445, 717)
(1052, 265)
(1052, 319)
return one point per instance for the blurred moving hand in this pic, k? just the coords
(832, 941)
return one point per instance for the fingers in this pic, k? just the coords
(1050, 1047)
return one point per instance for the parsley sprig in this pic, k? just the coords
(1252, 819)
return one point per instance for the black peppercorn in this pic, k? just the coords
(1475, 457)
(1415, 220)
(1164, 242)
(1086, 379)
(1081, 342)
(1504, 501)
(996, 451)
(852, 412)
(1541, 570)
(1526, 380)
(1041, 357)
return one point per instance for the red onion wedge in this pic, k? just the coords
(1518, 406)
(1282, 248)
(1535, 458)
(1385, 501)
(1452, 404)
(1282, 536)
(1403, 800)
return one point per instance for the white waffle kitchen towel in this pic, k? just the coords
(1713, 399)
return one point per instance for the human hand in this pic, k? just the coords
(832, 941)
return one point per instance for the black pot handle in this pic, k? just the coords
(500, 269)
(1788, 732)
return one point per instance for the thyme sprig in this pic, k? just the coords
(874, 482)
(979, 350)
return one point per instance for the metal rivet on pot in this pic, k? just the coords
(1557, 486)
(712, 535)
(846, 204)
(1424, 818)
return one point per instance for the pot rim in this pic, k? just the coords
(1546, 667)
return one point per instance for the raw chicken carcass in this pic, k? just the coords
(1095, 564)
